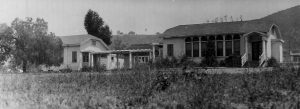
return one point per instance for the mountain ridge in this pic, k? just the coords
(288, 21)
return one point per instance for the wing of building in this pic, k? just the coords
(253, 40)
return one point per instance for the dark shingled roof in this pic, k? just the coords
(76, 39)
(137, 39)
(139, 46)
(218, 28)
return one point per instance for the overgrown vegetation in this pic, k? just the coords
(144, 88)
(28, 42)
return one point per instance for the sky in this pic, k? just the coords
(66, 17)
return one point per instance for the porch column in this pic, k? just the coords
(151, 56)
(264, 47)
(200, 55)
(91, 59)
(118, 64)
(130, 59)
(224, 46)
(232, 47)
(246, 44)
(79, 59)
(153, 52)
(215, 41)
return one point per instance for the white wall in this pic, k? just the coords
(68, 57)
(277, 51)
(89, 43)
(178, 46)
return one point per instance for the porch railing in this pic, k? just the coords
(244, 59)
(262, 58)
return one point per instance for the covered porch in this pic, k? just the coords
(259, 47)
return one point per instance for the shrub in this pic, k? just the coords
(100, 68)
(272, 62)
(222, 63)
(169, 62)
(210, 58)
(233, 61)
(86, 69)
(185, 61)
(66, 70)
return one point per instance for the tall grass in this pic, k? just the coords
(144, 88)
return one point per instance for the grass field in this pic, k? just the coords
(145, 89)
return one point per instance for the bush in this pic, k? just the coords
(272, 62)
(210, 58)
(185, 61)
(170, 62)
(233, 61)
(209, 61)
(100, 68)
(66, 70)
(86, 69)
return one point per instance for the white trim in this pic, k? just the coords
(101, 41)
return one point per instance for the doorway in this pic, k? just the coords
(256, 50)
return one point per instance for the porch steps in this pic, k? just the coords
(251, 64)
(264, 64)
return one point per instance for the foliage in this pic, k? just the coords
(166, 63)
(210, 58)
(233, 61)
(66, 70)
(185, 61)
(272, 62)
(131, 33)
(95, 26)
(142, 88)
(31, 44)
(6, 44)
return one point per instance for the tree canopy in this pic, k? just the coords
(29, 43)
(95, 26)
(6, 43)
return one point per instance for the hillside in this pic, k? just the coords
(289, 23)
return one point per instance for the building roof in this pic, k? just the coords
(76, 39)
(218, 28)
(137, 39)
(139, 46)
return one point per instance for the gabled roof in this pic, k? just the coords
(137, 39)
(218, 28)
(76, 39)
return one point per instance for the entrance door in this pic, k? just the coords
(96, 60)
(256, 50)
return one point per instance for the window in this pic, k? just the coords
(203, 45)
(219, 45)
(93, 42)
(236, 44)
(188, 47)
(228, 45)
(74, 56)
(142, 59)
(85, 57)
(296, 58)
(195, 47)
(170, 49)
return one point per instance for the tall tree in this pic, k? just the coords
(95, 26)
(33, 45)
(6, 43)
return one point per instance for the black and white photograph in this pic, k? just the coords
(149, 54)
